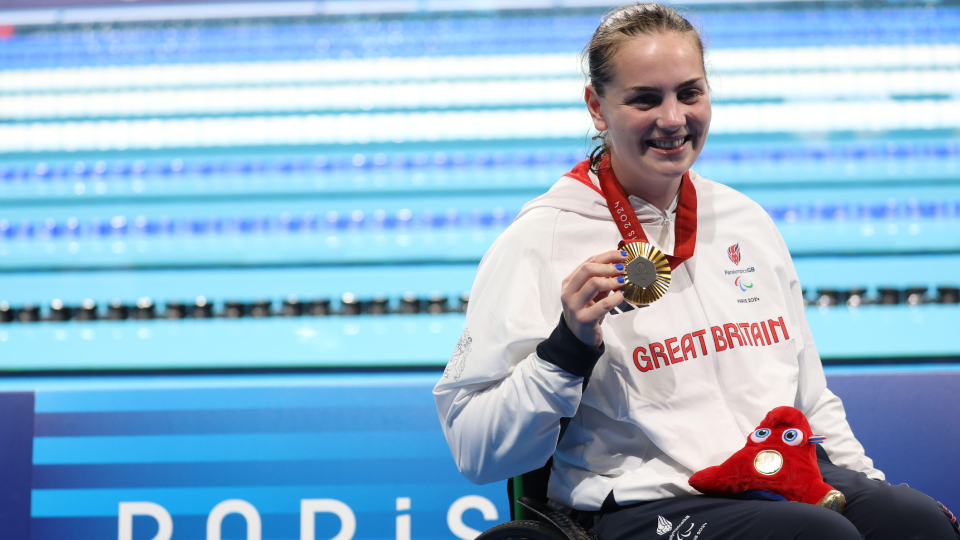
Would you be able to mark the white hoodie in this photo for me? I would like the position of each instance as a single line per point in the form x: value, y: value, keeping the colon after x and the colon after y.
x: 733, y: 322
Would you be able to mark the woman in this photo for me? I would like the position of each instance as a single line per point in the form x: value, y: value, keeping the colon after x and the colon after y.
x: 675, y: 386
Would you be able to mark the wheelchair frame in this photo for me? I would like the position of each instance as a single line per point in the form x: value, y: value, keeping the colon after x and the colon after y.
x: 530, y: 516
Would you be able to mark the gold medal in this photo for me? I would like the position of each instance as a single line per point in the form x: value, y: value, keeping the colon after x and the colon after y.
x: 646, y: 274
x: 647, y: 271
x: 768, y: 462
x: 834, y: 500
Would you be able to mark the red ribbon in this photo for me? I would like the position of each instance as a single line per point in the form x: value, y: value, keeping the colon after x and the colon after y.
x: 685, y: 229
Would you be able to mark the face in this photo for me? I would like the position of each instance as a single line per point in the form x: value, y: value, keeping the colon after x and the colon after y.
x: 656, y: 109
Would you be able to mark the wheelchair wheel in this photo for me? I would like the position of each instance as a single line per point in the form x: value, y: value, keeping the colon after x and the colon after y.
x: 522, y: 530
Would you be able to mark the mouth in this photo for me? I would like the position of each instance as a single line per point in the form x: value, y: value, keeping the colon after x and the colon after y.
x: 669, y: 146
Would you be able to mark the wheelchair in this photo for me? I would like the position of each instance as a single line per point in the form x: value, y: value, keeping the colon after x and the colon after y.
x: 531, y: 518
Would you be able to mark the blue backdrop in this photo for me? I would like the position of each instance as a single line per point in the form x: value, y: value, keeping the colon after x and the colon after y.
x: 369, y: 443
x: 75, y: 450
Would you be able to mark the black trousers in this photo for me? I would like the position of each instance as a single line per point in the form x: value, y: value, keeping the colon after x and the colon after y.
x: 875, y: 511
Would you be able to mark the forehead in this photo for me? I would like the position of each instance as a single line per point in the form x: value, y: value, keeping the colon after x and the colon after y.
x: 657, y: 60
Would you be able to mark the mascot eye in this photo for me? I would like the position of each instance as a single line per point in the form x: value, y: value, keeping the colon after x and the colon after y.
x: 759, y: 435
x: 793, y: 437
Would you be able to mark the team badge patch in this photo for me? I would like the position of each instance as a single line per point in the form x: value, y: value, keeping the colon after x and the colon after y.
x: 734, y: 253
x: 458, y: 361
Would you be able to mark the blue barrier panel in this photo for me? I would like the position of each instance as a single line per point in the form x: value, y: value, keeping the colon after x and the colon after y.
x: 16, y: 447
x: 908, y: 420
x: 360, y: 454
x: 370, y: 443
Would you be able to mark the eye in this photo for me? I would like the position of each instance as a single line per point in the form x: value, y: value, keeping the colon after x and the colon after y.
x: 793, y: 437
x: 689, y: 95
x: 645, y: 100
x: 759, y: 435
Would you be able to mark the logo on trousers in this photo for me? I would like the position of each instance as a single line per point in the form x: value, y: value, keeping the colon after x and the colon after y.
x: 663, y: 525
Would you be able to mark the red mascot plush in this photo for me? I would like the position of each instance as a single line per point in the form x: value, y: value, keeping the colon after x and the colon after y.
x: 778, y: 463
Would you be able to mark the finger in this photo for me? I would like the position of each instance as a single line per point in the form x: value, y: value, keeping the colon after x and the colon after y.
x: 576, y: 280
x: 599, y: 297
x: 593, y: 287
x: 612, y: 256
x: 600, y: 309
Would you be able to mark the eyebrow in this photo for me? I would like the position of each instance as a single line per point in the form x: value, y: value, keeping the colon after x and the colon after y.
x: 653, y: 89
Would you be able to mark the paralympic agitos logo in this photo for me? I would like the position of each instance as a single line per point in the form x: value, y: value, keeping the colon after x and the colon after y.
x: 742, y: 283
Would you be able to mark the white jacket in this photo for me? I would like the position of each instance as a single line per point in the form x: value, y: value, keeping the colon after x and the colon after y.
x: 638, y: 430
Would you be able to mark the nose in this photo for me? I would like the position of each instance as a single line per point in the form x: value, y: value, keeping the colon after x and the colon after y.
x: 671, y: 116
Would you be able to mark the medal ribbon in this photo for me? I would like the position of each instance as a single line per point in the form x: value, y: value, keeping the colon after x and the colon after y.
x: 685, y: 228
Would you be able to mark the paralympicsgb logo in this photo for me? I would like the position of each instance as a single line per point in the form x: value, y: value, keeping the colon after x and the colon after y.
x: 734, y: 253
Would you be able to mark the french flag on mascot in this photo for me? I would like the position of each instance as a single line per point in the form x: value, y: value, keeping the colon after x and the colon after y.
x: 734, y: 253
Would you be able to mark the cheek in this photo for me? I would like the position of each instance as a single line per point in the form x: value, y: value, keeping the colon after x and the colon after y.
x: 623, y: 131
x: 705, y: 114
x: 633, y: 125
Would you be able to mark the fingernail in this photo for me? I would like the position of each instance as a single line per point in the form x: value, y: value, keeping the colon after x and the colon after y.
x: 619, y: 266
x: 619, y: 279
x: 624, y: 253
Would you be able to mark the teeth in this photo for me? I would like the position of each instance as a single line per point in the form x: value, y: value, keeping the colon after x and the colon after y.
x: 667, y: 145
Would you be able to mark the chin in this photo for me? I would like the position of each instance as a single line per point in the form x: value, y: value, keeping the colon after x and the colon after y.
x: 668, y: 166
x: 673, y: 170
x: 660, y: 168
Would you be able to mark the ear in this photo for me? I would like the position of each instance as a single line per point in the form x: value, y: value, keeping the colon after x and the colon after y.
x: 592, y: 100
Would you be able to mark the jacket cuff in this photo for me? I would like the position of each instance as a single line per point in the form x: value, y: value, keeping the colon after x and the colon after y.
x: 566, y: 351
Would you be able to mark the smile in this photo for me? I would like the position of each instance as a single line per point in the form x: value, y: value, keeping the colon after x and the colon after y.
x: 668, y: 144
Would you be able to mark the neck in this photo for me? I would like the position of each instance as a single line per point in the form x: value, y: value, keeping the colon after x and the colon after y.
x: 660, y: 193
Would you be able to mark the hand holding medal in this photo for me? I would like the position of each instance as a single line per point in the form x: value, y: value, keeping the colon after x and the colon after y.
x: 647, y: 274
x: 638, y: 271
x: 590, y: 292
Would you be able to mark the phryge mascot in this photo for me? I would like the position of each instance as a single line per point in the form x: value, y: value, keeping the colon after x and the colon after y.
x: 779, y: 462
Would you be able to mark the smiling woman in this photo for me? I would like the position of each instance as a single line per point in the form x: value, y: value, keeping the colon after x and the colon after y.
x: 674, y: 387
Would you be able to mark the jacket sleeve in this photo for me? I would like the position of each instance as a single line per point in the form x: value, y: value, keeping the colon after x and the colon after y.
x: 822, y: 407
x: 500, y: 402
